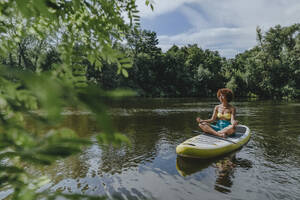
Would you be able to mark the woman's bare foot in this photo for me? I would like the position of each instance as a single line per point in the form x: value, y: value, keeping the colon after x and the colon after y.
x: 221, y: 134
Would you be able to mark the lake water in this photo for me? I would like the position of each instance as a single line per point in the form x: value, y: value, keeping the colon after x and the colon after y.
x: 267, y: 167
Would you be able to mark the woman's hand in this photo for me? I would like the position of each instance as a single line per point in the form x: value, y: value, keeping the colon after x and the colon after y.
x: 199, y: 120
x: 235, y: 122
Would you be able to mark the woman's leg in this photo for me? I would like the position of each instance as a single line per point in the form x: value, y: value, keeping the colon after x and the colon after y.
x: 206, y: 128
x: 227, y: 130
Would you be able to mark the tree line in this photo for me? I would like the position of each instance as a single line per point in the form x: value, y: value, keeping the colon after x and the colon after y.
x: 268, y: 70
x: 271, y: 69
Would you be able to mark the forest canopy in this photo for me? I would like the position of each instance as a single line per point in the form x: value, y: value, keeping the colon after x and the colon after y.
x: 268, y: 70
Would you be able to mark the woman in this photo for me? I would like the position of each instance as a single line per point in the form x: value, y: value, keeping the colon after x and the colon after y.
x: 224, y: 112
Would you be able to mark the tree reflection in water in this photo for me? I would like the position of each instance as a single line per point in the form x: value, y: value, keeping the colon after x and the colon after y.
x: 225, y: 173
x: 224, y: 166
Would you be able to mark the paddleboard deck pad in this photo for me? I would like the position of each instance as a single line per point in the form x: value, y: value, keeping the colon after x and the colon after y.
x: 206, y: 146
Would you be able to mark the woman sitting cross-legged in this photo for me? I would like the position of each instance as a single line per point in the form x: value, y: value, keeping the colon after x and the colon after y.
x: 224, y: 112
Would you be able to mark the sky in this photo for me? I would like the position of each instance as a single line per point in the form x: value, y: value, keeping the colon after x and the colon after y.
x: 226, y: 26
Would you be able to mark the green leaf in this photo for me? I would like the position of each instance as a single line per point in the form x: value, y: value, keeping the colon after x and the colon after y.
x: 127, y: 65
x: 125, y: 73
x: 119, y: 70
x: 23, y: 7
x: 42, y: 8
x: 24, y: 193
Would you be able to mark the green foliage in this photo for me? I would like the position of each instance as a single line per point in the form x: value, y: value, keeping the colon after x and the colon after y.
x: 46, y: 49
x: 180, y: 72
x: 40, y: 98
x: 269, y: 69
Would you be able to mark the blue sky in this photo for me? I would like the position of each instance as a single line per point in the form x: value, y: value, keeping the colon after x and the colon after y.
x: 228, y: 26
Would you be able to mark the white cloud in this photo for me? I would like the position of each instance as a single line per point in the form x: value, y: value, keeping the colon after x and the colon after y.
x: 160, y: 7
x: 224, y: 25
x: 196, y: 18
x: 228, y: 41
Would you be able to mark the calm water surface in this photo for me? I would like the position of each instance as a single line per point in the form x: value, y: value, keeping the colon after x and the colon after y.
x: 268, y: 167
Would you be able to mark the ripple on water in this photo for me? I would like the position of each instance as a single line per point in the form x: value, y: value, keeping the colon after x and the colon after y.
x: 159, y: 111
x: 266, y: 168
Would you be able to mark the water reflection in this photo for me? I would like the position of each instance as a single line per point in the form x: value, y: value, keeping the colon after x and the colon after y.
x: 225, y: 171
x: 224, y: 168
x: 147, y: 170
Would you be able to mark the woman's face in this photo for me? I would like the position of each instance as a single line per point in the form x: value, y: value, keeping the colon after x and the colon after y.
x: 222, y: 98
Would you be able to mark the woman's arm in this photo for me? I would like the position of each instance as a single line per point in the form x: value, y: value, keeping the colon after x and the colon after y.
x: 233, y: 121
x: 212, y: 119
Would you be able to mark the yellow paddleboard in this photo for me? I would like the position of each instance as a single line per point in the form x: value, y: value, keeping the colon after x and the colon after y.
x: 206, y: 146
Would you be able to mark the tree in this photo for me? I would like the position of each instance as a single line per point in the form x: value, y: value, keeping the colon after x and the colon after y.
x: 143, y: 41
x: 270, y: 69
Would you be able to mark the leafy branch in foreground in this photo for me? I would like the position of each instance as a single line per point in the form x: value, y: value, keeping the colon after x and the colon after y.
x: 40, y: 97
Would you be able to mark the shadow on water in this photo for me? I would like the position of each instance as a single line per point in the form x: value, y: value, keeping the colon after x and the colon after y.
x: 225, y: 167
